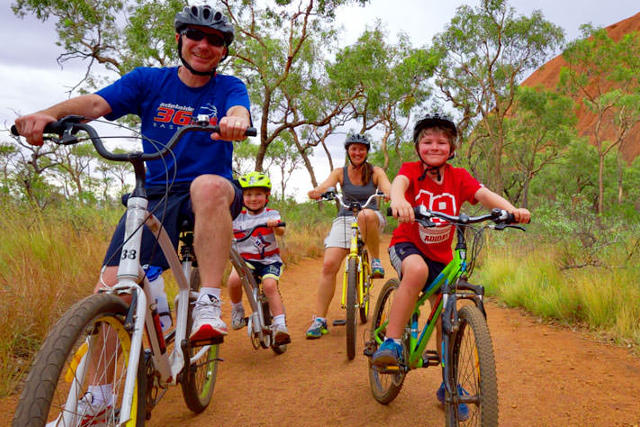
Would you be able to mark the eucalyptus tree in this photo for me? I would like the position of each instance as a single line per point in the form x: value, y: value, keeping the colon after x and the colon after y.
x: 604, y: 75
x: 538, y: 130
x: 391, y: 81
x: 484, y: 53
x: 281, y: 49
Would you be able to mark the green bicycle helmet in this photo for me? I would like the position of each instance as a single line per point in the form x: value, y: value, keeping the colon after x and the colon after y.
x: 255, y: 180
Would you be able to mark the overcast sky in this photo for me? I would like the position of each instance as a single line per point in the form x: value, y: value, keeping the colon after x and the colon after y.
x: 30, y: 78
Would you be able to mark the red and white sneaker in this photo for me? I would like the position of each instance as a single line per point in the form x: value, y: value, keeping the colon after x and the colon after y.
x: 207, y: 323
x: 89, y: 412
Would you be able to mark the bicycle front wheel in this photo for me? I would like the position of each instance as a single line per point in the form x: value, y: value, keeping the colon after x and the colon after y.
x: 473, y: 371
x: 366, y: 286
x: 352, y: 301
x: 199, y: 378
x: 88, y: 346
x: 385, y: 386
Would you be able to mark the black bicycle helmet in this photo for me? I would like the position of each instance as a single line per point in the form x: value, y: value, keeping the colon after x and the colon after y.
x: 357, y: 139
x: 204, y: 16
x: 431, y: 120
x: 434, y: 120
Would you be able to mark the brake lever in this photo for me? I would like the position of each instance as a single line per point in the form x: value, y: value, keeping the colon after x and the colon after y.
x: 425, y: 222
x: 503, y: 226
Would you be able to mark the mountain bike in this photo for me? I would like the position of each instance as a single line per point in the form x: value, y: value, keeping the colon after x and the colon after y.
x: 103, y: 340
x: 356, y: 281
x: 466, y: 355
x: 259, y: 321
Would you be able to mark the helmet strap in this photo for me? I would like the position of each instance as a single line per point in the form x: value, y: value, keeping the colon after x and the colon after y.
x: 211, y: 73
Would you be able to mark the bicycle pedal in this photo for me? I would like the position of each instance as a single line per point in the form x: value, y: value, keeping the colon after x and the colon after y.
x: 389, y: 369
x: 430, y: 358
x: 339, y: 322
x: 210, y: 341
x: 370, y: 348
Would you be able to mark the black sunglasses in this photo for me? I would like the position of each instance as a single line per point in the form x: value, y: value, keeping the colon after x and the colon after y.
x: 197, y: 35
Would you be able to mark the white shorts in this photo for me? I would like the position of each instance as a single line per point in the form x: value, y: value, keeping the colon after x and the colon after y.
x: 340, y: 234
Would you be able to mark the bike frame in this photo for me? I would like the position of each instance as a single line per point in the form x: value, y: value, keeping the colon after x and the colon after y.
x: 355, y: 251
x: 142, y: 316
x: 418, y: 339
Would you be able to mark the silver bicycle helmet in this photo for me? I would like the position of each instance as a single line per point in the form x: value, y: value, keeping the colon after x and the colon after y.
x: 204, y: 16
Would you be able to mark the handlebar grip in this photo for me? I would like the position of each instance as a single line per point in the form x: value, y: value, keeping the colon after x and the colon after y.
x: 511, y: 219
x: 251, y: 132
x: 52, y: 127
x: 389, y: 211
x: 282, y: 224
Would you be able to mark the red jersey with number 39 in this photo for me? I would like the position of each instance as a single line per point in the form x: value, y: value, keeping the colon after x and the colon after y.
x: 457, y: 187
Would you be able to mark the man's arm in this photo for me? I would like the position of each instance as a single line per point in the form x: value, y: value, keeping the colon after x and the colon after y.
x: 31, y: 126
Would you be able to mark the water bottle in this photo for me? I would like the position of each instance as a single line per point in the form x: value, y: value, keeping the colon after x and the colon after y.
x: 156, y: 282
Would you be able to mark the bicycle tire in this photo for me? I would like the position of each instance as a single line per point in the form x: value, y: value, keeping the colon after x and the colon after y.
x: 199, y: 379
x: 473, y: 368
x: 57, y: 364
x: 384, y: 386
x: 352, y: 300
x: 366, y: 287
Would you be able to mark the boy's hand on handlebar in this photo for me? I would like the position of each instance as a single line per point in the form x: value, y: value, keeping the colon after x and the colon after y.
x: 273, y: 223
x: 402, y: 210
x: 522, y: 215
x: 232, y: 128
x: 31, y: 127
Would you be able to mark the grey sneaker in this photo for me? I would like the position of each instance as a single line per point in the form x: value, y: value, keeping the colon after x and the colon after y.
x: 207, y: 323
x: 237, y: 318
x: 280, y: 334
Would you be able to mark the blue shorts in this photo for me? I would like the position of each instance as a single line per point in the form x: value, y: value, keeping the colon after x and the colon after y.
x: 172, y: 213
x: 399, y: 251
x: 264, y: 271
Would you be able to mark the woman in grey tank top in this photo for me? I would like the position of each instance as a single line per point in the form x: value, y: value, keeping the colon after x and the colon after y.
x: 358, y: 180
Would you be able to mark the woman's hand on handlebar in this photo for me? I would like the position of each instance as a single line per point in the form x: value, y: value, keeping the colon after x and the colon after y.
x: 402, y: 210
x: 314, y: 194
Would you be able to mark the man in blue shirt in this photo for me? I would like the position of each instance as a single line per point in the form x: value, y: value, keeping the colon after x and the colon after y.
x: 165, y: 99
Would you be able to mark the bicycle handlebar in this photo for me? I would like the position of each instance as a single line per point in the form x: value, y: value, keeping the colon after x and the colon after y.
x: 67, y: 128
x: 353, y: 206
x: 249, y: 232
x: 500, y: 217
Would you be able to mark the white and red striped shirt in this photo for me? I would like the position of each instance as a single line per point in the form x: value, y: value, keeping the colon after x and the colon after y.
x: 262, y: 246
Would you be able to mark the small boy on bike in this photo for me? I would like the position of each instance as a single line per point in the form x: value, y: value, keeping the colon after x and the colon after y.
x: 420, y: 253
x: 260, y: 252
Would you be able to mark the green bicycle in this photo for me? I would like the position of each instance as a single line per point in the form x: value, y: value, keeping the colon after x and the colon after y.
x: 466, y: 356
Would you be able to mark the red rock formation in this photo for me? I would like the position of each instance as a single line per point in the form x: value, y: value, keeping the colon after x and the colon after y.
x: 548, y: 76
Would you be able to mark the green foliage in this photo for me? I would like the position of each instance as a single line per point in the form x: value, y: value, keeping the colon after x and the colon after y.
x: 485, y: 51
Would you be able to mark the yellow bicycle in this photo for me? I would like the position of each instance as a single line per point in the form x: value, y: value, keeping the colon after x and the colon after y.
x: 356, y: 282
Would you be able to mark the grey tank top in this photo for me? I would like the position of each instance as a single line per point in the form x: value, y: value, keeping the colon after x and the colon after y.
x: 358, y: 193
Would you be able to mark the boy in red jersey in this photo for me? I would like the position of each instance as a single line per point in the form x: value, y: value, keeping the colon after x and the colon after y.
x: 419, y: 253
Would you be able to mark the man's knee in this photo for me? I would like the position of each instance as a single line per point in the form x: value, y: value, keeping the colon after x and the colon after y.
x: 211, y: 190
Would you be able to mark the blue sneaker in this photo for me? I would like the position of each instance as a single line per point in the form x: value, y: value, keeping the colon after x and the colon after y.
x: 463, y: 409
x: 389, y: 354
x: 317, y: 329
x: 377, y: 270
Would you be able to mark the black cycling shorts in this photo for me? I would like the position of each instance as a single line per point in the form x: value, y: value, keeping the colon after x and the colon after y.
x: 172, y: 212
x: 400, y: 251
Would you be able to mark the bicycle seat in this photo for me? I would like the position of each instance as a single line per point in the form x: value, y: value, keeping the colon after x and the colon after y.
x: 186, y: 226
